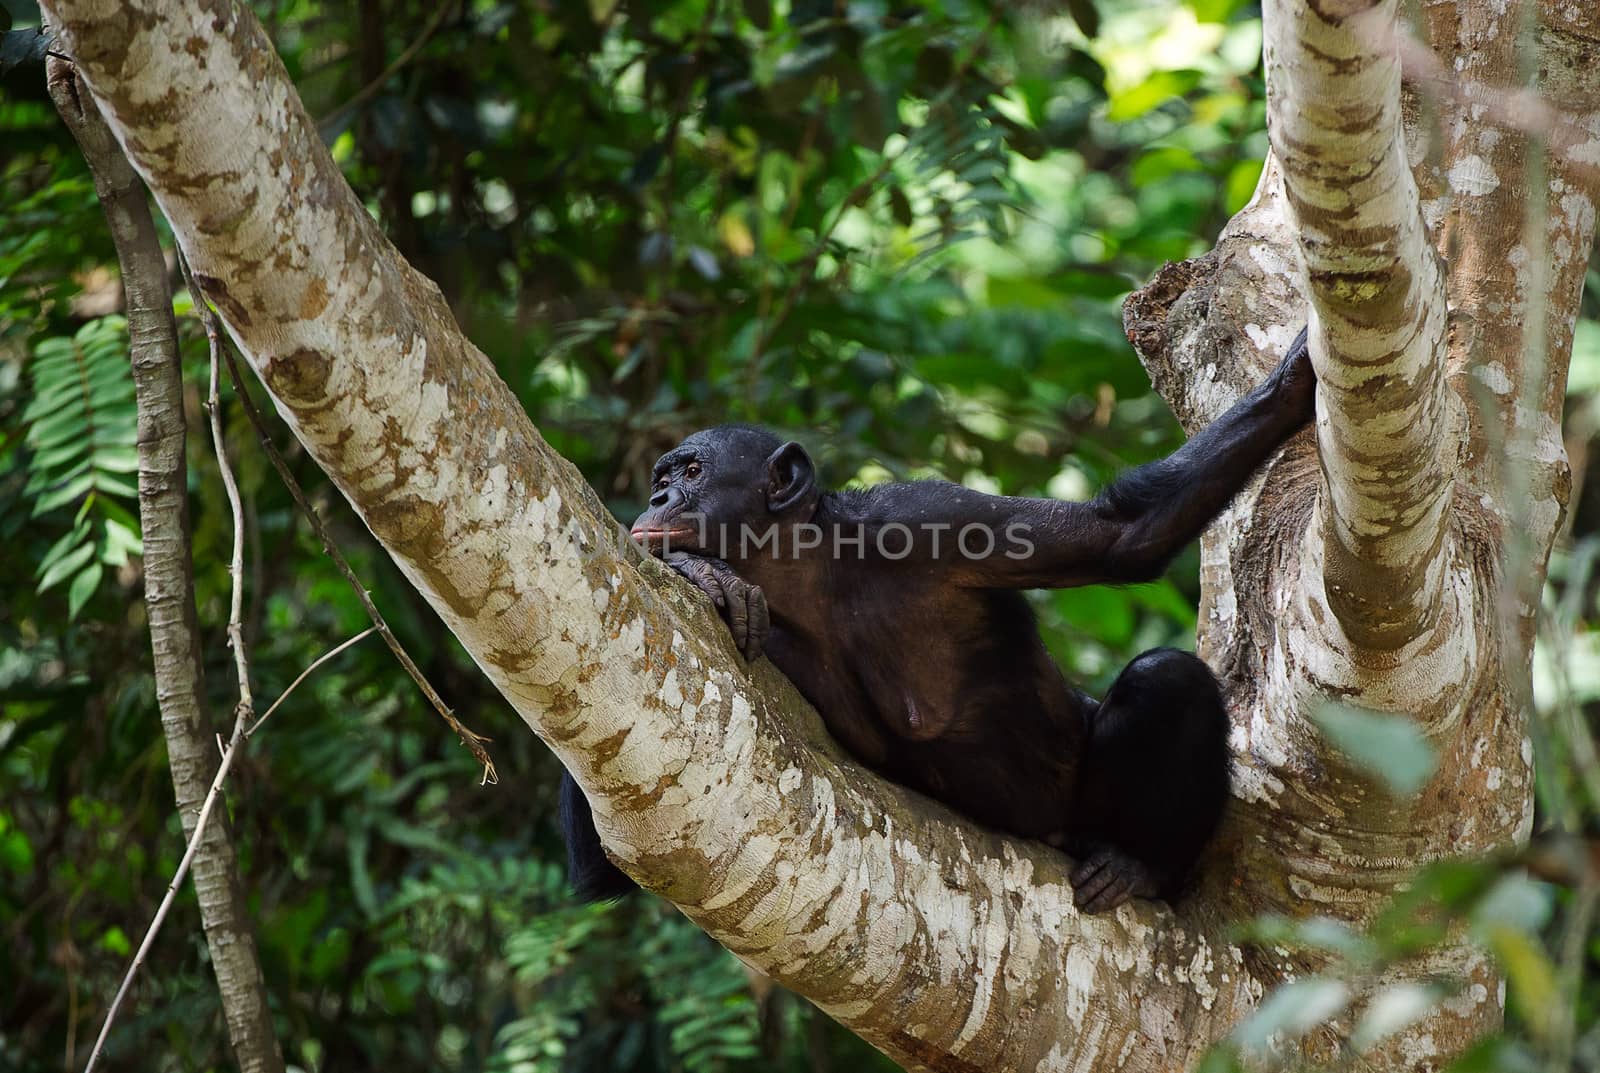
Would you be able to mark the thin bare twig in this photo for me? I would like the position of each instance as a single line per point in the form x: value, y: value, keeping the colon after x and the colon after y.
x: 370, y: 90
x: 212, y: 796
x: 241, y: 658
x: 469, y: 738
x: 319, y: 661
x: 1519, y: 108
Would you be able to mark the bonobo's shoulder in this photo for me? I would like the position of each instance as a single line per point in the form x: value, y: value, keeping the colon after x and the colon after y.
x: 904, y: 501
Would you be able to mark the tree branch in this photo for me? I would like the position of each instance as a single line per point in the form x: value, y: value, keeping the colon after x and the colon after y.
x: 472, y: 740
x: 1377, y: 295
x: 712, y: 784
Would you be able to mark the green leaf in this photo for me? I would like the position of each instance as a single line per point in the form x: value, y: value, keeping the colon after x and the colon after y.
x: 119, y: 459
x: 16, y: 852
x: 1214, y: 10
x: 1241, y: 184
x: 59, y: 457
x: 58, y: 428
x: 69, y: 540
x: 1293, y: 1009
x: 66, y: 566
x: 65, y: 396
x: 115, y: 941
x: 1158, y: 89
x: 1163, y: 163
x: 83, y: 587
x: 366, y: 896
x: 56, y: 348
x: 115, y: 486
x: 66, y: 493
x: 122, y: 540
x: 1389, y: 746
x: 1533, y: 989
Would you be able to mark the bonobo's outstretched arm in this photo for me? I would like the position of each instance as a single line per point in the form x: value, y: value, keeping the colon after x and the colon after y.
x: 1136, y: 525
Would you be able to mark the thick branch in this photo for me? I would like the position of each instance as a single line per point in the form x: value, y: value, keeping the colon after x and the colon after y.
x: 1377, y: 296
x: 945, y: 945
x: 168, y: 573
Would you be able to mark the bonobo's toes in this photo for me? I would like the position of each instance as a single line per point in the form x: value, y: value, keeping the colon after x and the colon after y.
x: 1108, y: 877
x: 700, y: 572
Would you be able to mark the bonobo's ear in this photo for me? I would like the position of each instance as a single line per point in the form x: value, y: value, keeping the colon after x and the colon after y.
x: 791, y: 478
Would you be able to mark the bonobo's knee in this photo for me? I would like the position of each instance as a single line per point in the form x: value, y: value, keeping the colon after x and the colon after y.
x: 1164, y: 716
x: 592, y: 875
x: 1166, y: 678
x: 1157, y: 773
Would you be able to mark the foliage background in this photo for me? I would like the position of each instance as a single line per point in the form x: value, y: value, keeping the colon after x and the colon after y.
x: 900, y: 233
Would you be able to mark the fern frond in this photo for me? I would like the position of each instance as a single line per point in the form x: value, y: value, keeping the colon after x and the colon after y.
x: 82, y: 424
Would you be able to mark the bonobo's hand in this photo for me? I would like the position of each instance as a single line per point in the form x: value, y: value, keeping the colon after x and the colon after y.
x: 742, y: 604
x: 1294, y: 381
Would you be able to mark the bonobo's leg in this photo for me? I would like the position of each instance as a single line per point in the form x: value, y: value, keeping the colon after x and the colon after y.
x: 589, y: 870
x: 1155, y: 780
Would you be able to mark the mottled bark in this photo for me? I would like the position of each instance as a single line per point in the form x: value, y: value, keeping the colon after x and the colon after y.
x: 949, y: 947
x: 1512, y: 237
x: 169, y: 575
x: 1377, y: 298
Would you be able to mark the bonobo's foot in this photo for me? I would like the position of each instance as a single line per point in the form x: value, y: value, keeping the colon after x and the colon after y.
x: 742, y: 605
x: 1104, y: 878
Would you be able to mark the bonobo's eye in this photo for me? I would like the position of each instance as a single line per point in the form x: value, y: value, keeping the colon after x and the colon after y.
x: 661, y: 482
x: 692, y: 470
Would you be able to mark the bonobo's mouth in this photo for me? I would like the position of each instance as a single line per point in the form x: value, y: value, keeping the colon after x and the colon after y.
x: 659, y: 539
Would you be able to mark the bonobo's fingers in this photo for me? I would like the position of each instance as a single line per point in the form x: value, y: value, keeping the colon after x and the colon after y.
x: 699, y: 570
x: 746, y: 611
x: 743, y: 606
x: 1294, y: 380
x: 759, y: 623
x: 737, y: 611
x: 1107, y: 878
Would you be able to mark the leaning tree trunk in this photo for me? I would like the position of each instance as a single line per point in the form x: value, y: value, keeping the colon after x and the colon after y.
x: 1365, y: 563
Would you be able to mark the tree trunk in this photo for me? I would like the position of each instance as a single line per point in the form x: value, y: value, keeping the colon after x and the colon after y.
x: 1368, y: 562
x: 169, y: 575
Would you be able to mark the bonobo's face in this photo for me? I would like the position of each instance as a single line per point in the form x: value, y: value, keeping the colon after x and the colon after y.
x: 718, y: 482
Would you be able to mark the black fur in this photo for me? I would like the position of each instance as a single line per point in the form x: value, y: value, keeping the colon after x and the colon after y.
x: 928, y: 666
x: 592, y: 875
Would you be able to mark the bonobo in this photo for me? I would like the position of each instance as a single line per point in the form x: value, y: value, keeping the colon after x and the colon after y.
x: 896, y: 612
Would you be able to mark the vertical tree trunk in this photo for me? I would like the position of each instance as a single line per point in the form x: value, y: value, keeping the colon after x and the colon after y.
x: 169, y: 574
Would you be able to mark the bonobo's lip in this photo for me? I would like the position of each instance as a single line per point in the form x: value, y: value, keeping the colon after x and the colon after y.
x: 654, y: 536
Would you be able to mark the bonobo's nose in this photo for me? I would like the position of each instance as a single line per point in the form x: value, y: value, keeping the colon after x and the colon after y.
x: 664, y: 499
